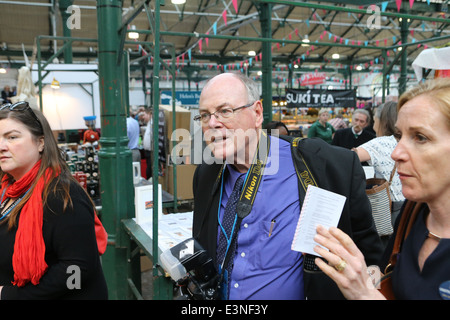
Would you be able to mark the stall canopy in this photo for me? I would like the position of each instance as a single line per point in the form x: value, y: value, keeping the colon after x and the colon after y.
x: 435, y: 59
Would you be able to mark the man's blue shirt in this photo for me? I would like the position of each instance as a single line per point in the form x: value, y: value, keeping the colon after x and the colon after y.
x: 265, y: 267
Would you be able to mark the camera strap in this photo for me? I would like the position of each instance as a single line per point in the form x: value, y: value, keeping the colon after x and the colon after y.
x: 304, y: 175
x: 305, y: 178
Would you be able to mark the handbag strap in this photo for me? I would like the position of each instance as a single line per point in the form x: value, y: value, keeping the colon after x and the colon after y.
x: 406, y: 222
x: 393, y: 173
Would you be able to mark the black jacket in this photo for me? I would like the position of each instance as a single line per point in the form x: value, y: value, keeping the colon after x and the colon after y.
x: 334, y: 169
x: 346, y: 139
x: 70, y: 250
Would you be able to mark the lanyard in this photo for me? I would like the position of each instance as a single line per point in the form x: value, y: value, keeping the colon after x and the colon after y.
x: 14, y: 204
x: 230, y: 237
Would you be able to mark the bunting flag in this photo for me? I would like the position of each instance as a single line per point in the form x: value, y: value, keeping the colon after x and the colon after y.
x: 235, y: 5
x: 224, y: 16
x: 215, y: 28
x: 384, y: 6
x: 200, y: 45
x: 189, y: 54
x: 207, y: 39
x: 399, y: 4
x: 411, y: 2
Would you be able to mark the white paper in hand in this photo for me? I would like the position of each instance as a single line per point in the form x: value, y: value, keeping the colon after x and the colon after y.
x: 320, y: 207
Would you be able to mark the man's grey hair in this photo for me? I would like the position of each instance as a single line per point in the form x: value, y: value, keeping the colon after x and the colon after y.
x: 251, y: 86
x: 364, y: 112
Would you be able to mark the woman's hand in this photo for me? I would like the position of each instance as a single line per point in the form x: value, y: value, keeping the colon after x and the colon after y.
x: 346, y: 265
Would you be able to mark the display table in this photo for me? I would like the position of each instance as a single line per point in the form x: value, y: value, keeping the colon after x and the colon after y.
x: 172, y: 229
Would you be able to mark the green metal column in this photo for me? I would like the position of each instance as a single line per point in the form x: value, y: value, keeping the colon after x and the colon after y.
x: 116, y: 182
x: 404, y: 55
x: 385, y: 74
x: 162, y: 288
x: 265, y: 12
x: 63, y: 5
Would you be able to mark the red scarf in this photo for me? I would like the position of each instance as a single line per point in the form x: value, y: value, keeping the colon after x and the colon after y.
x: 29, y: 247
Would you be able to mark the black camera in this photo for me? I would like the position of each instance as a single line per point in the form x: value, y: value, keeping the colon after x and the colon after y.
x: 190, y: 266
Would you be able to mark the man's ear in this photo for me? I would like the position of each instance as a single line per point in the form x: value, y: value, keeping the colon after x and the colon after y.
x: 259, y: 113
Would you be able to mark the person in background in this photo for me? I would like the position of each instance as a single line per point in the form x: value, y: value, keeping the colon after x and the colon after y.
x: 133, y: 138
x: 354, y: 136
x: 338, y: 122
x: 369, y: 126
x: 277, y: 125
x: 262, y: 264
x: 321, y: 128
x: 7, y: 94
x: 48, y: 226
x: 146, y: 118
x: 421, y: 154
x: 377, y: 152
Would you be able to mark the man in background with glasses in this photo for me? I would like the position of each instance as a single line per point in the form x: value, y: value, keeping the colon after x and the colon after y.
x: 261, y: 263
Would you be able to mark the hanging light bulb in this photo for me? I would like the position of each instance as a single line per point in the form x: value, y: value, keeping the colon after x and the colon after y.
x: 305, y: 39
x: 178, y: 1
x: 55, y: 84
x: 335, y: 56
x: 133, y: 35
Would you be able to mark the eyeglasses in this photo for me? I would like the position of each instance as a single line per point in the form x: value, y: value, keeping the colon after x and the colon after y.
x: 21, y: 106
x: 222, y: 115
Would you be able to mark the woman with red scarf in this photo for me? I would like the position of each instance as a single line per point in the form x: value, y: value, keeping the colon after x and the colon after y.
x: 51, y: 238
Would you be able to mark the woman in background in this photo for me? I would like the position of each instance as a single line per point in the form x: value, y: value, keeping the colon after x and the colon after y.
x: 377, y: 152
x: 321, y: 128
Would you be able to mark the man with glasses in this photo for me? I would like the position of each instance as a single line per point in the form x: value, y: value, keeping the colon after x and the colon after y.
x: 252, y: 252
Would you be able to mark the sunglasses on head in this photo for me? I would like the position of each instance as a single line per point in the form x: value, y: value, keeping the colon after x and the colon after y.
x: 21, y: 106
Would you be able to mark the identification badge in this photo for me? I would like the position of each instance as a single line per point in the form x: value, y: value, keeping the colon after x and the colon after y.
x: 444, y: 290
x: 223, y: 289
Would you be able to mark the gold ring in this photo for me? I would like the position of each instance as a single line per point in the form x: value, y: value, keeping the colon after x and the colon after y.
x: 341, y: 265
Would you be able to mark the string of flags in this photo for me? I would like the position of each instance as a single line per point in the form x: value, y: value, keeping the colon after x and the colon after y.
x: 187, y: 55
